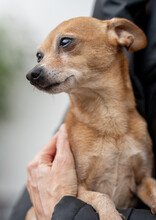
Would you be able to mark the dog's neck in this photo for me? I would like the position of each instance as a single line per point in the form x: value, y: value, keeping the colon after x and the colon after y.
x: 107, y: 107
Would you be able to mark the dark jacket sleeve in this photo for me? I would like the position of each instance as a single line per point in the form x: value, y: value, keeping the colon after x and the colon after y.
x: 21, y: 207
x: 71, y: 208
x: 133, y: 10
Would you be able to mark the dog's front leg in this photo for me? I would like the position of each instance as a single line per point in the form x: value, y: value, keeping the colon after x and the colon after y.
x: 146, y: 191
x: 101, y: 203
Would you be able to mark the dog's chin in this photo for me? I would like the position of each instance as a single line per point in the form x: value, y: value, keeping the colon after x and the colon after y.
x: 57, y: 87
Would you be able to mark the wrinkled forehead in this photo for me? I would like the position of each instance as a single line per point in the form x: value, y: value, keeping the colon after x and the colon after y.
x: 82, y: 27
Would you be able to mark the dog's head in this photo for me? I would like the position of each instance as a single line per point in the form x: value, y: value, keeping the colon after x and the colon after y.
x: 77, y: 52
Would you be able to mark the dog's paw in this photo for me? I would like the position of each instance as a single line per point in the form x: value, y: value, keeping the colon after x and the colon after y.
x: 112, y: 216
x: 153, y: 210
x: 123, y: 217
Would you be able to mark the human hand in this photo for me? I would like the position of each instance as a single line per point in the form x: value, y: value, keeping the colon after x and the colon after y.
x: 51, y: 175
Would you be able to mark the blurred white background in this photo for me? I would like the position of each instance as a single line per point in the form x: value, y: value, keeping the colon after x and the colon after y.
x: 33, y: 116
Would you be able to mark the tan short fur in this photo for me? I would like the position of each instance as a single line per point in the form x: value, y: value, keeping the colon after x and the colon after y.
x: 108, y: 137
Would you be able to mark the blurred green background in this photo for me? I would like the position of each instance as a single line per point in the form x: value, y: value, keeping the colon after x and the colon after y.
x: 12, y: 60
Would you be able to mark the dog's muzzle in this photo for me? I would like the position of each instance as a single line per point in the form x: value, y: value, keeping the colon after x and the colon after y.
x: 36, y: 76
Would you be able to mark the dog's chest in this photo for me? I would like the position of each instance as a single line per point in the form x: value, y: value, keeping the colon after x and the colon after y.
x: 107, y: 166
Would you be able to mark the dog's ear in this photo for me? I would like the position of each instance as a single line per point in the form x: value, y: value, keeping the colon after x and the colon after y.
x: 122, y: 32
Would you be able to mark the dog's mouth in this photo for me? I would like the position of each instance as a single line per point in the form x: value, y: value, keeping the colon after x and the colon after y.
x: 47, y: 88
x: 52, y: 86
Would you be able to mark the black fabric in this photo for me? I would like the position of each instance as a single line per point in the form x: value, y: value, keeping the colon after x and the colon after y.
x: 71, y: 208
x: 133, y: 10
x: 142, y: 63
x: 140, y: 214
x: 21, y: 207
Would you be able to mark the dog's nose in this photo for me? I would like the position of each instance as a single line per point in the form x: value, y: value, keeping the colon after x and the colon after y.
x: 34, y: 74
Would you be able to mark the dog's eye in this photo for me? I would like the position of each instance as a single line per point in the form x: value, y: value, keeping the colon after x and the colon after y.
x: 39, y: 57
x: 65, y: 41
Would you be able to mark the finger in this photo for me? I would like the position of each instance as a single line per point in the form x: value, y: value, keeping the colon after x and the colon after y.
x: 62, y: 145
x: 47, y: 154
x: 50, y: 147
x: 63, y: 151
x: 36, y: 201
x: 32, y: 187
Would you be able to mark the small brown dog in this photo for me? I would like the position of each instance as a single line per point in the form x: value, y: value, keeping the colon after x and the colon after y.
x: 109, y: 140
